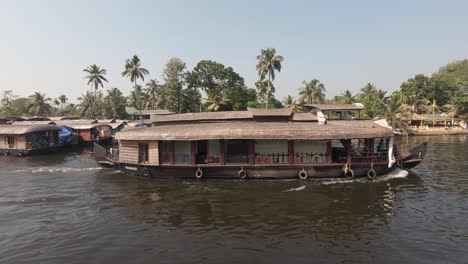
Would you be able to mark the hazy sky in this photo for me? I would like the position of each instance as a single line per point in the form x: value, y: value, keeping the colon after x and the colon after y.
x: 44, y: 45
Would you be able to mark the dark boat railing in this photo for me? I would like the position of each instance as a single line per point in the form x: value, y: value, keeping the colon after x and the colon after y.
x: 369, y: 159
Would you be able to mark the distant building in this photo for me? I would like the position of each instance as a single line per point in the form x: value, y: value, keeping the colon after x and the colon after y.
x: 134, y: 114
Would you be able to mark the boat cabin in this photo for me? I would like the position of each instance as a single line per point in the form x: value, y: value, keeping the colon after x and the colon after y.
x: 25, y: 138
x: 263, y: 142
x: 253, y: 143
x: 87, y: 131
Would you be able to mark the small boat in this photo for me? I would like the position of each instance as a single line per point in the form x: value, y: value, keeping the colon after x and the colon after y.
x: 259, y: 144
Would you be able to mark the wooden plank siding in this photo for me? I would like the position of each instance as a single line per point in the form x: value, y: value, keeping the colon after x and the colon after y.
x: 153, y: 153
x: 19, y: 142
x: 128, y: 152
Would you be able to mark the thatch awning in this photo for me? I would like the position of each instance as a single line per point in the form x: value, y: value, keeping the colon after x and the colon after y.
x: 24, y: 129
x: 264, y: 130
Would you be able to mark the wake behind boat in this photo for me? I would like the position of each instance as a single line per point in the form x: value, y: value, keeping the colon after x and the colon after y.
x: 261, y: 144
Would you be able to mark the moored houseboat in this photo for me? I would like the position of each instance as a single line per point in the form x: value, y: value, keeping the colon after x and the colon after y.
x: 28, y: 139
x: 87, y: 131
x: 257, y: 143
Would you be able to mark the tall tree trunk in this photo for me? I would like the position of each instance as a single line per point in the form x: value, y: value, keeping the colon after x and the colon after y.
x: 268, y: 92
x: 138, y: 103
x: 94, y: 104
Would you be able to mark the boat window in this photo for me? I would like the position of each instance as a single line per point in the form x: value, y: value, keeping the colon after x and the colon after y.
x: 310, y: 151
x: 201, y: 152
x: 143, y: 151
x: 165, y: 151
x: 182, y: 152
x: 213, y: 151
x: 271, y: 151
x: 237, y: 151
x: 10, y: 141
x: 339, y: 153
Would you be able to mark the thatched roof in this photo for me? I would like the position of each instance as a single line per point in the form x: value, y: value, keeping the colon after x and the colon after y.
x: 303, y: 117
x: 270, y: 112
x: 24, y: 129
x: 57, y: 118
x: 81, y: 124
x: 251, y: 114
x: 202, y: 116
x: 22, y: 123
x: 134, y: 111
x: 335, y: 107
x: 114, y: 124
x: 265, y: 130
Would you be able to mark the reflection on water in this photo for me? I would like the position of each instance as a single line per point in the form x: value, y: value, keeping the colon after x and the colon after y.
x: 64, y: 208
x: 263, y: 209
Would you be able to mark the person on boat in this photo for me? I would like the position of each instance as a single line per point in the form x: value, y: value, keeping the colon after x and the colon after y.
x: 381, y: 147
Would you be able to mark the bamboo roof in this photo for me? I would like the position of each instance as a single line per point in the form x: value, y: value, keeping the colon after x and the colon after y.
x: 134, y: 111
x: 336, y: 107
x: 114, y: 124
x: 21, y: 123
x: 270, y: 112
x: 24, y: 129
x: 81, y: 124
x: 251, y: 114
x: 265, y: 130
x: 302, y: 117
x: 57, y: 118
x: 202, y: 116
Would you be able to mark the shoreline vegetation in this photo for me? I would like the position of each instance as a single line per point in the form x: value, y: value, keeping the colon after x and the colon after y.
x: 212, y: 86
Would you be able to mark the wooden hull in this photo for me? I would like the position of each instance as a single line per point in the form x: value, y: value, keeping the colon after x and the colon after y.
x: 236, y: 171
x: 26, y: 152
x: 252, y: 172
x: 414, y: 157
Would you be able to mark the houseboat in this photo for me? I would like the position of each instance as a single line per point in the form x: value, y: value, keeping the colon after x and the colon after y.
x: 258, y: 143
x: 64, y: 134
x: 87, y: 131
x: 28, y: 139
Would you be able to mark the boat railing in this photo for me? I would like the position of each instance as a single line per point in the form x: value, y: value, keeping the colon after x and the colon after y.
x: 379, y: 158
x: 310, y: 158
x: 271, y: 158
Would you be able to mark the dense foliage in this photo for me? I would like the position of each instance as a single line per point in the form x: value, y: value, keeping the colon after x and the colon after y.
x: 212, y: 86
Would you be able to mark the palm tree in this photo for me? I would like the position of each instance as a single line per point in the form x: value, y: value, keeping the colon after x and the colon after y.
x: 347, y: 97
x: 216, y: 103
x: 262, y: 88
x: 137, y: 100
x: 394, y: 111
x: 268, y: 63
x: 95, y: 79
x: 39, y: 105
x: 290, y: 102
x: 152, y: 93
x: 134, y: 71
x: 414, y: 105
x: 369, y: 90
x: 63, y: 99
x: 86, y: 104
x: 312, y: 92
x: 453, y: 106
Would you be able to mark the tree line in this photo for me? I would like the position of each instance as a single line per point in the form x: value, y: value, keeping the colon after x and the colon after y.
x: 212, y: 86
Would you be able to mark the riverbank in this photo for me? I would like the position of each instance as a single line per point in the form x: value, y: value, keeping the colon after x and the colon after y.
x: 437, y: 131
